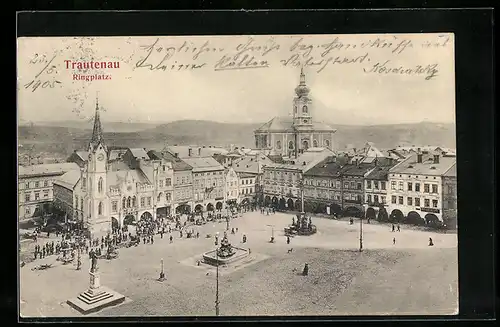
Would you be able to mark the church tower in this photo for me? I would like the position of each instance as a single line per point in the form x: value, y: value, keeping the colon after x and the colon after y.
x: 98, y: 202
x: 302, y: 104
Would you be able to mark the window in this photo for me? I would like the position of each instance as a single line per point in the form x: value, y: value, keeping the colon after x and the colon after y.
x: 353, y: 185
x: 400, y: 200
x: 400, y: 184
x: 315, y: 143
x: 368, y: 184
x: 426, y: 203
x: 360, y: 186
x: 149, y: 201
x: 382, y: 184
x: 393, y: 199
x: 304, y: 109
x: 143, y: 202
x: 99, y: 208
x: 346, y: 185
x: 369, y: 198
x: 375, y: 198
x: 434, y: 188
x: 134, y: 202
x: 417, y: 187
x: 99, y: 185
x: 168, y: 196
x: 27, y: 197
x: 327, y: 143
x: 409, y: 201
x: 382, y: 199
x: 81, y: 204
x: 434, y: 203
x: 375, y: 185
x: 84, y: 182
x: 410, y: 186
x: 129, y: 202
x: 278, y: 144
x: 393, y: 185
x: 124, y: 203
x: 37, y: 196
x: 114, y: 206
x: 37, y: 184
x: 183, y: 180
x: 45, y: 183
x: 27, y: 211
x: 168, y: 182
x: 426, y: 188
x: 27, y: 184
x: 46, y: 195
x: 158, y: 198
x: 160, y: 182
x: 417, y: 202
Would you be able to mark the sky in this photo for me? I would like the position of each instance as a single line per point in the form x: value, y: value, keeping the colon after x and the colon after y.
x: 356, y: 79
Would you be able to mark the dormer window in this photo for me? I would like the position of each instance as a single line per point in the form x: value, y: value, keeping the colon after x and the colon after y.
x: 304, y: 109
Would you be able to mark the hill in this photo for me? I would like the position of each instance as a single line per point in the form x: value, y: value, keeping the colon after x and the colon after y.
x: 64, y: 140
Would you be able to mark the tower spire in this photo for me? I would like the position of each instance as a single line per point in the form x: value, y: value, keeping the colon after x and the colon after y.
x: 97, y: 134
x: 302, y: 76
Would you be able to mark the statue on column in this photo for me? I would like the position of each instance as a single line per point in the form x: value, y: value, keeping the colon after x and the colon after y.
x: 93, y: 268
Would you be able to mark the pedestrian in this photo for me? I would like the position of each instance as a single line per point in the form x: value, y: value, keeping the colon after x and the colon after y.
x: 305, y: 271
x: 171, y: 239
x: 394, y: 241
x: 35, y: 253
x: 393, y: 227
x: 244, y: 238
x: 197, y: 234
x: 288, y: 240
x: 152, y: 239
x: 161, y: 234
x: 430, y: 242
x: 399, y: 228
x: 43, y: 252
x: 181, y: 233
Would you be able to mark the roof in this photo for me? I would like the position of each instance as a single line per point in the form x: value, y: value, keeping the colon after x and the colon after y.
x: 379, y: 173
x: 306, y: 160
x: 115, y: 154
x: 203, y: 164
x: 329, y: 167
x: 177, y: 163
x: 47, y: 169
x: 285, y: 124
x: 251, y: 164
x: 196, y: 151
x: 68, y: 179
x: 139, y: 153
x: 115, y: 178
x: 426, y: 167
x: 356, y: 170
x: 83, y: 155
x: 245, y: 175
x: 118, y: 165
x: 452, y: 172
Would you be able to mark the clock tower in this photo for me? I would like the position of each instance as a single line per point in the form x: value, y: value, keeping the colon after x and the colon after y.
x: 98, y: 219
x: 302, y: 104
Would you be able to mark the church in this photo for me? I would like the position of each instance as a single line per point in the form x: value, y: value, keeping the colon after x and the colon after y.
x: 291, y: 136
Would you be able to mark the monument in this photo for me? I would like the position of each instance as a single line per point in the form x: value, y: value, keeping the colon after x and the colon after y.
x: 303, y: 226
x: 96, y: 297
x: 225, y: 254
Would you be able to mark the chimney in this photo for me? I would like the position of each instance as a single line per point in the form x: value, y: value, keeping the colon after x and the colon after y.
x: 419, y: 157
x: 304, y: 163
x: 436, y: 158
x: 199, y: 152
x: 190, y: 151
x: 176, y: 155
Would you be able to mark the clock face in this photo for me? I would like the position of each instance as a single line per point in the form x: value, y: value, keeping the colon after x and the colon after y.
x: 100, y: 157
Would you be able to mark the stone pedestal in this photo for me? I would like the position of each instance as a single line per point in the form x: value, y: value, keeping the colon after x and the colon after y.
x: 96, y: 297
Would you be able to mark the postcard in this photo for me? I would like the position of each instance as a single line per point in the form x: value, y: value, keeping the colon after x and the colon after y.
x: 237, y: 175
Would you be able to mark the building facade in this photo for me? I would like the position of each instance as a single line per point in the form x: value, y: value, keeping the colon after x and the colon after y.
x: 450, y: 197
x: 35, y: 187
x: 283, y: 183
x: 376, y: 191
x: 247, y: 188
x: 208, y: 184
x: 292, y: 136
x: 416, y: 188
x: 232, y: 186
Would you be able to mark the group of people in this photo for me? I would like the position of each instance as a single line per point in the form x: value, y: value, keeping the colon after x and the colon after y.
x: 267, y: 210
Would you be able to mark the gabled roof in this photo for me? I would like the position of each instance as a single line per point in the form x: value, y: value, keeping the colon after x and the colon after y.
x: 329, y: 167
x: 356, y: 170
x: 305, y: 161
x: 68, y: 179
x: 251, y: 164
x: 47, y: 169
x: 83, y: 155
x: 115, y: 178
x: 183, y: 151
x: 379, y: 173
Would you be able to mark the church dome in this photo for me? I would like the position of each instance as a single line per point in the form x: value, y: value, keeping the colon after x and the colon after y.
x: 302, y: 89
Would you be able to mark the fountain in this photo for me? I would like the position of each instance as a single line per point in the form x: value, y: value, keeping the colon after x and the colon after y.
x: 303, y: 226
x: 224, y: 254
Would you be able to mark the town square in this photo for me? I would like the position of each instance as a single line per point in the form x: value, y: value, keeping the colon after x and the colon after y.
x: 220, y: 205
x: 341, y: 279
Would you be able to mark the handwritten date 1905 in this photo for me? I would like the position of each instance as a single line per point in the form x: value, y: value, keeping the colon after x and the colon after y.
x: 47, y: 80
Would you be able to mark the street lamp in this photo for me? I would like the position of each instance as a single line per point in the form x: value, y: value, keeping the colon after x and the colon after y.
x: 361, y: 234
x: 301, y: 186
x: 217, y: 284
